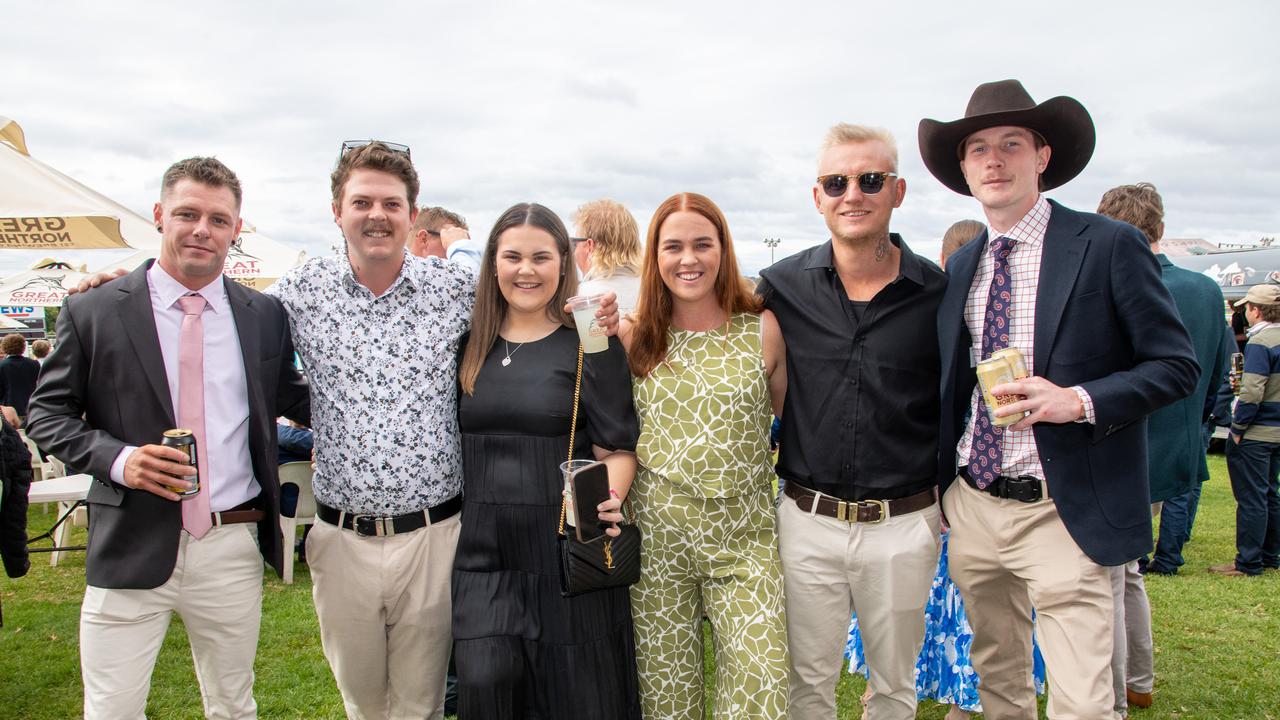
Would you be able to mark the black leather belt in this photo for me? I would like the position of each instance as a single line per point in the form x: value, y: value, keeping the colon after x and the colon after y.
x: 375, y: 526
x: 1023, y: 488
x: 862, y: 511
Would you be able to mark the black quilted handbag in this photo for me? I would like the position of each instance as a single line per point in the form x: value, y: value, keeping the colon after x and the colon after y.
x: 606, y: 563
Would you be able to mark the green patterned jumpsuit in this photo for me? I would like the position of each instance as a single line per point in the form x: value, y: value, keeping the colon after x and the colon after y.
x: 704, y: 501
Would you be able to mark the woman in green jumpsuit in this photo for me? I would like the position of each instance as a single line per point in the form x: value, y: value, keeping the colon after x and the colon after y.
x: 709, y: 366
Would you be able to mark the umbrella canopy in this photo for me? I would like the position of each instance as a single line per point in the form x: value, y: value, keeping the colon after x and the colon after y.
x: 39, y: 287
x: 255, y: 260
x: 40, y: 208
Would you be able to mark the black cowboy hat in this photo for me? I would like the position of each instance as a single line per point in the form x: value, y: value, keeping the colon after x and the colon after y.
x: 1062, y: 121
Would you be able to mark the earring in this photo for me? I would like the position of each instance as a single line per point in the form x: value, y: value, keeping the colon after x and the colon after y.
x: 159, y: 228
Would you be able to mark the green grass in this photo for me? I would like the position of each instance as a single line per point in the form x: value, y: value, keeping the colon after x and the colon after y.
x: 1217, y: 640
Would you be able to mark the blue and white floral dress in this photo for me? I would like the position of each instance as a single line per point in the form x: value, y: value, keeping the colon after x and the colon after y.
x: 943, y: 671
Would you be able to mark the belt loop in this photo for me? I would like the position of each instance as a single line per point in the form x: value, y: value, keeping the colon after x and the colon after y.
x: 342, y: 516
x: 426, y: 516
x: 813, y: 504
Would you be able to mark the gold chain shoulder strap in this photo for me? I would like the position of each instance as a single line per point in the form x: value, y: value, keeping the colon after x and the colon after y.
x: 573, y: 428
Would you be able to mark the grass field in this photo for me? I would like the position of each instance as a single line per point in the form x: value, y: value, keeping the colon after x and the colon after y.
x: 1217, y: 640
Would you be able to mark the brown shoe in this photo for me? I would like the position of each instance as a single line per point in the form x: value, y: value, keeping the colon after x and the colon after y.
x: 1137, y: 699
x: 1227, y: 569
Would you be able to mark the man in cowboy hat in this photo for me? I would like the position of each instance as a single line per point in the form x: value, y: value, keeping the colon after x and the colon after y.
x: 1041, y: 506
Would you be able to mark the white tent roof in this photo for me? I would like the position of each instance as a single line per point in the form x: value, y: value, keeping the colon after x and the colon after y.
x: 257, y: 262
x: 41, y: 208
x: 41, y: 287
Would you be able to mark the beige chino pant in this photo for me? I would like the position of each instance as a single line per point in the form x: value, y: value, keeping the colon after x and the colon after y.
x: 1006, y: 557
x: 216, y: 588
x: 831, y: 569
x: 385, y: 616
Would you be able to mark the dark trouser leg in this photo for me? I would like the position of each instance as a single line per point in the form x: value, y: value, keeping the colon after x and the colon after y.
x: 1173, y: 534
x: 1271, y: 536
x: 1249, y: 464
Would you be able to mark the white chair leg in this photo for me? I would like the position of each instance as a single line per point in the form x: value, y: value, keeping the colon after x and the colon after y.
x: 289, y: 528
x: 60, y: 535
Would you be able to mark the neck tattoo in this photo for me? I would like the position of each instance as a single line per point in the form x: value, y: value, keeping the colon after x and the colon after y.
x: 882, y: 249
x: 507, y: 360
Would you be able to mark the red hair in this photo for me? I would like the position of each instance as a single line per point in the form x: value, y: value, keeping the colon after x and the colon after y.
x: 653, y: 312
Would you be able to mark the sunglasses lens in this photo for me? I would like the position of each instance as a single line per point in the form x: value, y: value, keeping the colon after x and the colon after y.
x: 835, y: 185
x: 871, y: 183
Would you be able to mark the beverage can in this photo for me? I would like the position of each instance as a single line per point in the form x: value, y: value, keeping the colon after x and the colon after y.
x: 184, y: 440
x: 992, y: 372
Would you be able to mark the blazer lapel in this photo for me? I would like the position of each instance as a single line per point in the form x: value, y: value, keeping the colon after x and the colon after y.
x: 247, y: 328
x: 1060, y: 263
x: 139, y: 321
x: 961, y: 267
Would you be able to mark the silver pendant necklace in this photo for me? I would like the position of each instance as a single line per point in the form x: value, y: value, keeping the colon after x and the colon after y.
x: 507, y: 360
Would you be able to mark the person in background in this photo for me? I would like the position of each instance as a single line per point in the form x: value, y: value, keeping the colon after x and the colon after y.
x: 18, y: 374
x: 40, y: 350
x: 607, y: 251
x: 427, y: 238
x: 1253, y: 450
x: 709, y: 370
x: 956, y: 236
x: 1175, y: 454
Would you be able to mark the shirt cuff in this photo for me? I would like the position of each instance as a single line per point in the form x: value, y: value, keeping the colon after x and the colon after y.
x: 1089, y: 415
x: 465, y: 252
x: 117, y: 467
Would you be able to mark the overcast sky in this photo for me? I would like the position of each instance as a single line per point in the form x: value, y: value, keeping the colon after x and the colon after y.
x: 564, y: 102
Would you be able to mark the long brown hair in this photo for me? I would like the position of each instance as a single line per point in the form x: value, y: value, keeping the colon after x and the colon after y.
x: 491, y: 308
x: 653, y: 312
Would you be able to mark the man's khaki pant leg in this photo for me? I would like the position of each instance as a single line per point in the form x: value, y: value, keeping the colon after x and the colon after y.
x: 1004, y: 553
x: 216, y: 587
x: 384, y: 611
x: 830, y: 566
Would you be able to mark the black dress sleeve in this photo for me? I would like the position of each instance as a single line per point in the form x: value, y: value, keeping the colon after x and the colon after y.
x: 607, y: 408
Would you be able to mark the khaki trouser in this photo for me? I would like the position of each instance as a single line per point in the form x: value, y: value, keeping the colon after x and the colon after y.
x: 1006, y: 557
x: 216, y: 588
x: 384, y: 610
x: 1133, y: 662
x: 831, y: 569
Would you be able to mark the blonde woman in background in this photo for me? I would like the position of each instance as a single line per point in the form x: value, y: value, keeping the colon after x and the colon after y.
x: 607, y: 251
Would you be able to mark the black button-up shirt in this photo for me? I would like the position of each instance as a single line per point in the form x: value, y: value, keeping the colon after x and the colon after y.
x: 861, y: 416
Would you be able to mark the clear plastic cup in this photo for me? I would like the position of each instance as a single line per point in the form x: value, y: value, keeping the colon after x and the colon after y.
x: 590, y: 332
x: 566, y: 469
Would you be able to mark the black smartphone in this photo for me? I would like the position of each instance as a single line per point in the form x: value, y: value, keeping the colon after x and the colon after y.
x: 590, y: 487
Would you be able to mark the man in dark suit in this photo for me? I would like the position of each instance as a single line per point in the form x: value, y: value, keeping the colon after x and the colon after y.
x: 174, y: 345
x: 18, y: 374
x: 1039, y: 508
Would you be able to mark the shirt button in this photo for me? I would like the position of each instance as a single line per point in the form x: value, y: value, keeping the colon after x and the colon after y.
x: 846, y: 467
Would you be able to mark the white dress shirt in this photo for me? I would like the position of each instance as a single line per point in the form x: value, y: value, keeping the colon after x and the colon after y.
x: 230, y: 476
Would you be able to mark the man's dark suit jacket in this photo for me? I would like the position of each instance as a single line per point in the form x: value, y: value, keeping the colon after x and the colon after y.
x: 18, y: 377
x: 104, y: 387
x: 1104, y: 321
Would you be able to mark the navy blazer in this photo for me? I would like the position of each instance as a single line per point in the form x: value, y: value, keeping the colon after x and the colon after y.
x: 1104, y: 321
x: 104, y: 387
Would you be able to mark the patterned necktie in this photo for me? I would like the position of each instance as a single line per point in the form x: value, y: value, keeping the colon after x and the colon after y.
x: 195, y: 510
x: 986, y: 456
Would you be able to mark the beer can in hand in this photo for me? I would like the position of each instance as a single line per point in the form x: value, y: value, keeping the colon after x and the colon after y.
x: 1237, y: 372
x: 1016, y: 364
x: 992, y: 372
x: 185, y: 441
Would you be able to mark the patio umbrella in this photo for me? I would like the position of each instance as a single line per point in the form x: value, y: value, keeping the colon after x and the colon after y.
x: 255, y: 260
x: 41, y: 208
x: 39, y: 287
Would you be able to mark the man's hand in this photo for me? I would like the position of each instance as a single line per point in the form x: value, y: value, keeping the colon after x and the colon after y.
x: 449, y: 234
x: 1236, y: 438
x: 153, y: 467
x: 93, y: 281
x: 10, y: 416
x: 1045, y: 401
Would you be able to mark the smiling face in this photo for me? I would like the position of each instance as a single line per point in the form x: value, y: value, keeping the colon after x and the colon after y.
x: 856, y: 216
x: 689, y: 257
x: 375, y: 216
x: 528, y: 267
x: 1002, y: 167
x: 198, y: 222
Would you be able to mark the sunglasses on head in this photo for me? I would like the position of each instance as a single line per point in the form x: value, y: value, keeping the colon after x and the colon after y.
x: 869, y: 183
x: 576, y: 240
x: 349, y: 145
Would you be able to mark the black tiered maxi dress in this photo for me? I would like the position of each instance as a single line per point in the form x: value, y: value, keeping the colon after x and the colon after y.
x: 522, y: 650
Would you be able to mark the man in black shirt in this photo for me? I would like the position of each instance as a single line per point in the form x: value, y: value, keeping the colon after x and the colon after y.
x: 859, y: 526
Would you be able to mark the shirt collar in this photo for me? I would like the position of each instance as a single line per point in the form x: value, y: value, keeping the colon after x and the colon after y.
x: 407, y: 273
x: 909, y: 265
x: 1258, y: 327
x: 168, y: 290
x: 1030, y: 229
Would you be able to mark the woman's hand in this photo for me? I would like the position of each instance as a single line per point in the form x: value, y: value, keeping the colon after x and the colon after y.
x: 610, y: 511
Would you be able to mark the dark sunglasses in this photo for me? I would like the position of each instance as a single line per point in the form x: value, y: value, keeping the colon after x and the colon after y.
x: 869, y: 183
x: 576, y: 240
x: 349, y: 145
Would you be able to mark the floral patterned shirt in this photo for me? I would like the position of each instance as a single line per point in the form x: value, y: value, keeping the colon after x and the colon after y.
x: 383, y: 374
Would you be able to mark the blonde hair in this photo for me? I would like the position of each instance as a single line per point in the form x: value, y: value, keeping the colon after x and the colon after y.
x: 959, y: 234
x: 844, y: 133
x: 616, y: 236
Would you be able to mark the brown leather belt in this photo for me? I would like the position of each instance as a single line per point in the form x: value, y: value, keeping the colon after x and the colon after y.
x: 861, y: 511
x: 242, y: 513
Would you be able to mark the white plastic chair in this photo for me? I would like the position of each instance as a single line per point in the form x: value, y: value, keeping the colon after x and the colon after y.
x: 298, y: 474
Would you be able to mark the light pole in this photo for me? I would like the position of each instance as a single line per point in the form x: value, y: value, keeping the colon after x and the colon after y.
x: 772, y: 244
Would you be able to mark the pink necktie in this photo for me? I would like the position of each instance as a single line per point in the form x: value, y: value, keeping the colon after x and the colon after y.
x: 195, y: 510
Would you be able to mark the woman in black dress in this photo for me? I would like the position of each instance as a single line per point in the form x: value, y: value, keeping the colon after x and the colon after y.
x: 522, y: 650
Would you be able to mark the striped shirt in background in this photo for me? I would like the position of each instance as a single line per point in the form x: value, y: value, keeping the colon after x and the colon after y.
x: 1257, y: 415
